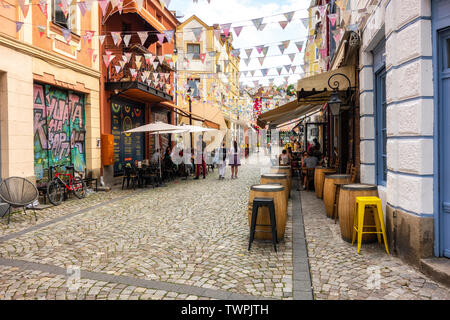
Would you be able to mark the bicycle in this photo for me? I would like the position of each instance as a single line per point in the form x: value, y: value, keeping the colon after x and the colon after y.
x: 55, y: 188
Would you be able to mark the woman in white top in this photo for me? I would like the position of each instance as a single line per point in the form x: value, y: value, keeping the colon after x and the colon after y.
x: 284, y: 158
x: 234, y: 159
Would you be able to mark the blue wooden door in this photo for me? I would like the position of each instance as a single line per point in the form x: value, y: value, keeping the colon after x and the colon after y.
x: 444, y: 111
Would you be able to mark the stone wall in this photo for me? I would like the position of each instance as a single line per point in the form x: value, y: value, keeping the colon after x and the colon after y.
x: 406, y: 28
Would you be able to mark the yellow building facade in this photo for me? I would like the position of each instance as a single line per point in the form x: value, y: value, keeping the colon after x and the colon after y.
x: 208, y: 75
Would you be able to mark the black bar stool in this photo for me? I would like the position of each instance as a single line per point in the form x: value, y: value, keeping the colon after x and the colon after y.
x: 263, y: 202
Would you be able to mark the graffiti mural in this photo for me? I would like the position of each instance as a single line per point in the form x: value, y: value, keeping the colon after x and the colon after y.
x: 59, y: 129
x: 128, y: 147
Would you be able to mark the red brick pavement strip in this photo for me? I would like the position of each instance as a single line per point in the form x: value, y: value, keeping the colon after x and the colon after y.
x: 338, y: 272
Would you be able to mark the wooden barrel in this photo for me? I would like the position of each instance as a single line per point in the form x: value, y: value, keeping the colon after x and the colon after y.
x: 281, y: 178
x: 329, y: 190
x: 275, y: 191
x: 319, y: 179
x: 347, y: 199
x: 283, y: 169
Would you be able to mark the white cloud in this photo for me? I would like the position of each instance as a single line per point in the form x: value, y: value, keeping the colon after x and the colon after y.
x: 240, y: 13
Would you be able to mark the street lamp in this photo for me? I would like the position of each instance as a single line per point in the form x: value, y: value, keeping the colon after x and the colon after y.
x: 334, y: 105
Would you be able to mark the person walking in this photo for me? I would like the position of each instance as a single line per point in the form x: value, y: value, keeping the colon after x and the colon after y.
x: 200, y: 157
x: 235, y: 160
x: 222, y: 161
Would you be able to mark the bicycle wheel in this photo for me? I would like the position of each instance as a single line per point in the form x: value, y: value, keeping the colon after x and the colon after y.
x: 55, y: 192
x: 79, y: 188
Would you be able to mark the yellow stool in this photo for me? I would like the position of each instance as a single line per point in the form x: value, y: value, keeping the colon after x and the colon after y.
x: 358, y: 221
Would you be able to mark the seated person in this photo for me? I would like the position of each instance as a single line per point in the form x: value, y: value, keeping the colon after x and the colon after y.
x: 155, y: 158
x: 309, y: 161
x: 284, y: 159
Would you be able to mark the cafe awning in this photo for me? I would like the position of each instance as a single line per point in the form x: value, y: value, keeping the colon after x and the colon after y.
x: 315, y: 89
x: 135, y: 90
x: 312, y: 93
x: 286, y: 113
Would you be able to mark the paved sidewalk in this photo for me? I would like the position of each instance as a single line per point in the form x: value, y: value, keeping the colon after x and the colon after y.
x: 186, y: 241
x: 338, y: 272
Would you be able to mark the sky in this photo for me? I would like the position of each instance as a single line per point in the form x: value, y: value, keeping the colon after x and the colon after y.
x: 240, y: 13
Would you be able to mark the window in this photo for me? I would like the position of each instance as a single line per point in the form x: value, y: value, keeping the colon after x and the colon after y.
x: 194, y: 49
x: 379, y: 62
x: 66, y: 18
x: 381, y: 105
x: 218, y: 68
x: 59, y: 17
x: 158, y: 50
x: 448, y: 53
x: 194, y: 85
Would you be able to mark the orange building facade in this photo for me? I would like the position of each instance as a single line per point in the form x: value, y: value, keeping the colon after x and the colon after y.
x: 49, y: 88
x: 137, y: 81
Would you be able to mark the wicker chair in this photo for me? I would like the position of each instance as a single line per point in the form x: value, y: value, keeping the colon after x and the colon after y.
x: 18, y: 193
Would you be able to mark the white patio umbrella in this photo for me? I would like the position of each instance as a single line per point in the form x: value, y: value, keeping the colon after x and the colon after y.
x: 158, y: 128
x: 194, y: 129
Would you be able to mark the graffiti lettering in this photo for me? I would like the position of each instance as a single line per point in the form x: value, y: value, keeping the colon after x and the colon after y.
x: 58, y: 128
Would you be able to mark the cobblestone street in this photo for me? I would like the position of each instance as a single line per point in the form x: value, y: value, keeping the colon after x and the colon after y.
x: 185, y: 241
x: 339, y: 273
x: 189, y: 241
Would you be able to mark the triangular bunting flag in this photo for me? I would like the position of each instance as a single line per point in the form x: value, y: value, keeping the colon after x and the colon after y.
x: 83, y: 7
x: 118, y: 68
x: 116, y: 37
x: 66, y: 34
x: 299, y: 45
x: 264, y: 72
x: 332, y: 18
x: 197, y: 33
x: 155, y: 65
x: 265, y: 50
x: 19, y: 25
x: 217, y: 34
x: 261, y: 60
x: 103, y: 6
x: 283, y: 24
x: 160, y: 37
x: 260, y: 49
x: 286, y: 43
x: 41, y: 30
x: 247, y: 61
x: 202, y: 57
x: 160, y: 59
x: 262, y: 26
x: 289, y: 16
x: 305, y: 22
x: 248, y: 52
x: 257, y: 22
x: 102, y: 39
x: 169, y: 34
x: 281, y: 47
x: 43, y: 6
x: 143, y: 35
x: 225, y: 28
x: 126, y: 39
x: 279, y: 70
x: 292, y: 56
x: 237, y: 31
x: 139, y: 4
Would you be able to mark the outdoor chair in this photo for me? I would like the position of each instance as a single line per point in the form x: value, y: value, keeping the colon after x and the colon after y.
x: 129, y: 176
x: 18, y: 193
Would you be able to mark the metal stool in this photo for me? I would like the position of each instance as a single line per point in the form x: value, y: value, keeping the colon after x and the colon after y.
x: 263, y: 202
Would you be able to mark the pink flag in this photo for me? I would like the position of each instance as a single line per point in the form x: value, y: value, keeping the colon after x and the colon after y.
x: 103, y: 6
x: 283, y: 24
x: 237, y: 31
x: 259, y: 48
x: 332, y: 18
x: 225, y: 28
x: 160, y: 37
x: 83, y: 8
